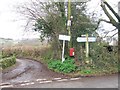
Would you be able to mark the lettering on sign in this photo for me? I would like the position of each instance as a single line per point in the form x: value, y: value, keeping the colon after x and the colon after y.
x: 84, y: 39
x: 64, y: 37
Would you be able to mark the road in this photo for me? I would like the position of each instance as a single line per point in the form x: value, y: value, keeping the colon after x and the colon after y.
x: 27, y: 70
x: 93, y: 82
x: 32, y: 74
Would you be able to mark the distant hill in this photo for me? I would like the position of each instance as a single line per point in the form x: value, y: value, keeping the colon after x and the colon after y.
x: 31, y: 42
x: 6, y: 42
x: 5, y: 39
x: 24, y: 42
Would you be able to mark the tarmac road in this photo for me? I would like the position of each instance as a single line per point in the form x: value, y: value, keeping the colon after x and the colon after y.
x: 93, y: 82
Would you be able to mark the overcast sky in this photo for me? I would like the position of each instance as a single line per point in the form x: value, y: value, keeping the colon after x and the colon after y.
x: 11, y: 26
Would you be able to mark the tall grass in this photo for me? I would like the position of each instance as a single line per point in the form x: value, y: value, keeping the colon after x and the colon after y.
x: 32, y: 52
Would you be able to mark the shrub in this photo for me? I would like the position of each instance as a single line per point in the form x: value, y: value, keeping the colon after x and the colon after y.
x: 66, y: 67
x: 7, y: 62
x: 102, y: 59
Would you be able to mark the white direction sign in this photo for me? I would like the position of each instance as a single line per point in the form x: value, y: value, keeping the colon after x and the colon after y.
x: 64, y: 37
x: 84, y: 39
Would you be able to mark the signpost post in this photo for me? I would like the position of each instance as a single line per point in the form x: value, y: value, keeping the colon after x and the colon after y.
x: 87, y: 46
x: 64, y: 38
x: 63, y: 59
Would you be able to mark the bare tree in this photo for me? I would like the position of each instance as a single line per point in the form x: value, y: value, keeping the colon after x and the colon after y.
x: 115, y: 23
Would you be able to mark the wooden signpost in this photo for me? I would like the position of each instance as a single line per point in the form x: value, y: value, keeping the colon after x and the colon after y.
x: 87, y: 40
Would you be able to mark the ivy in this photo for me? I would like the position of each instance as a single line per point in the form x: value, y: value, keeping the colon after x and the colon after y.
x: 67, y: 66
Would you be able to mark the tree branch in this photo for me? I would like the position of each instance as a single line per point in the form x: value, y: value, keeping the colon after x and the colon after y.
x: 114, y: 34
x: 104, y: 21
x: 113, y: 22
x: 100, y: 21
x: 109, y: 32
x: 117, y: 16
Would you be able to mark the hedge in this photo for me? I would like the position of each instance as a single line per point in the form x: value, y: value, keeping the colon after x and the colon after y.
x: 7, y: 62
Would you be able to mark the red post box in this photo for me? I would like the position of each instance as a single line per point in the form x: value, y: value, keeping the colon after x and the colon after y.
x: 72, y: 52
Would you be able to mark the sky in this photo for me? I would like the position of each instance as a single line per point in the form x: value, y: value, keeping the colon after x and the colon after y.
x: 12, y: 24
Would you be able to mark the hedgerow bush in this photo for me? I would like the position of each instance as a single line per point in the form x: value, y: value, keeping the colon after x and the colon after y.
x: 66, y: 67
x: 101, y: 59
x: 25, y: 51
x: 39, y: 53
x: 7, y: 62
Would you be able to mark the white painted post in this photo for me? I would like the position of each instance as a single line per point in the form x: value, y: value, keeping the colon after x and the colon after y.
x: 87, y: 46
x: 63, y: 59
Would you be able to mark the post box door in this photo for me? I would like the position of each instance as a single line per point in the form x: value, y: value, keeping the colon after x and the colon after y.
x: 72, y: 52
